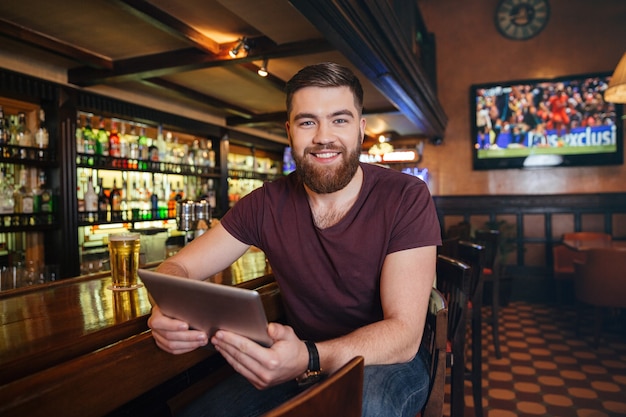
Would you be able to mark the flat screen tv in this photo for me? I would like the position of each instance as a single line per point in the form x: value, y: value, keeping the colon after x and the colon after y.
x: 545, y: 123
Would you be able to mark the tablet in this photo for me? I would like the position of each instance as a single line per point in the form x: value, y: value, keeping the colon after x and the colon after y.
x: 208, y: 306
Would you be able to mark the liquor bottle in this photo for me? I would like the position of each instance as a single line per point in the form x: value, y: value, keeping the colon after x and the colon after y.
x: 89, y: 138
x: 114, y: 142
x: 124, y: 142
x: 154, y: 200
x: 160, y: 144
x: 133, y: 144
x: 171, y: 202
x: 24, y: 136
x: 43, y: 195
x: 142, y: 141
x: 124, y: 198
x: 115, y: 199
x: 102, y: 140
x: 91, y: 198
x: 23, y: 195
x: 7, y: 200
x: 41, y: 136
x: 104, y: 204
x: 211, y: 154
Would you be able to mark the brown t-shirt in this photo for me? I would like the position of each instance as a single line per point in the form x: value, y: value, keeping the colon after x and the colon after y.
x: 330, y: 278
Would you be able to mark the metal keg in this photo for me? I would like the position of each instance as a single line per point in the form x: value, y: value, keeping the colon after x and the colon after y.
x: 185, y: 215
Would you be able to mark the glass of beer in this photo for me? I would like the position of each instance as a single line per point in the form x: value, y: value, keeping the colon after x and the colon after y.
x: 124, y: 255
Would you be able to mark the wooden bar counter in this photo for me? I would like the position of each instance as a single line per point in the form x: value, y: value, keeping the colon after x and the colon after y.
x: 75, y: 348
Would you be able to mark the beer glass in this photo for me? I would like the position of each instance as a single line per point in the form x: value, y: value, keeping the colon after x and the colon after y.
x: 124, y: 256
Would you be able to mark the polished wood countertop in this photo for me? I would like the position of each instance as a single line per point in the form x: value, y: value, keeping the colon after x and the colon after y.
x: 75, y: 339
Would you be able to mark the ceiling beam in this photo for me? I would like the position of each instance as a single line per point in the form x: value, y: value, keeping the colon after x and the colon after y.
x: 170, y: 24
x: 188, y: 93
x: 56, y: 46
x: 191, y: 59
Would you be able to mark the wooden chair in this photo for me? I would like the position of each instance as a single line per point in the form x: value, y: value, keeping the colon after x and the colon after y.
x: 563, y: 259
x: 490, y: 239
x: 434, y: 341
x: 601, y: 282
x: 473, y: 254
x: 453, y: 278
x: 339, y: 395
x: 449, y: 247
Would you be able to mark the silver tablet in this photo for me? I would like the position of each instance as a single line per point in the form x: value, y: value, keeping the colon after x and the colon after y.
x: 208, y: 306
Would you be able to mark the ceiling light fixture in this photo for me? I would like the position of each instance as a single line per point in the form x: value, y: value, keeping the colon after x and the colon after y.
x: 262, y: 71
x: 243, y: 43
x: 616, y: 93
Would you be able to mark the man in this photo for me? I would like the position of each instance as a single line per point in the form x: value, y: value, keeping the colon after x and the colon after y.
x: 352, y: 247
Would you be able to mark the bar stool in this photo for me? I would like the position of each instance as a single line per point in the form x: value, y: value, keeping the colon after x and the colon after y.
x: 473, y: 254
x: 453, y: 277
x: 490, y: 239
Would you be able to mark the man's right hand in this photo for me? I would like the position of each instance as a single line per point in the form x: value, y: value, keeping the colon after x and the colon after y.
x: 174, y: 336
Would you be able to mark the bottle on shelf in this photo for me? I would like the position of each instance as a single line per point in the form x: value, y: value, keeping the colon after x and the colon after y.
x: 24, y: 136
x: 115, y: 199
x: 133, y: 143
x: 102, y: 139
x: 43, y: 195
x: 154, y: 200
x: 7, y: 199
x: 210, y: 154
x: 104, y: 204
x: 23, y: 195
x: 91, y: 201
x: 42, y: 137
x: 160, y: 145
x: 143, y: 145
x: 115, y: 147
x: 89, y: 138
x: 124, y: 142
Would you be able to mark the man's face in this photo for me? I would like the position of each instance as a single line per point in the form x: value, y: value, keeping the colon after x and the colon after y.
x: 325, y: 132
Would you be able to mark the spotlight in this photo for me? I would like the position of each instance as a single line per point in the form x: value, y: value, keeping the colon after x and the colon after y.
x: 263, y: 69
x: 243, y: 43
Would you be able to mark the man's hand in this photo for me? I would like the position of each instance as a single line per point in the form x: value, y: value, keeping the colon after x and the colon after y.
x: 264, y: 367
x: 174, y: 336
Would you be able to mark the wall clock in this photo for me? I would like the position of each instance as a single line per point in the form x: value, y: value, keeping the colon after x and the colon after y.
x: 522, y: 19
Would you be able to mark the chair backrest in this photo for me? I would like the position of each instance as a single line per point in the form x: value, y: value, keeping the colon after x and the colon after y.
x: 453, y: 277
x: 587, y: 236
x: 490, y: 239
x: 473, y: 254
x: 563, y: 259
x: 434, y: 342
x: 600, y: 279
x: 461, y: 230
x: 339, y: 395
x: 449, y: 246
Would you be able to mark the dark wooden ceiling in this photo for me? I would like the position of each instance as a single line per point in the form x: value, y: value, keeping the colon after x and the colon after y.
x: 178, y: 51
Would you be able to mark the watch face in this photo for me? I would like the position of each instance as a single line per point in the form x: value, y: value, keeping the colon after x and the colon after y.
x: 522, y: 19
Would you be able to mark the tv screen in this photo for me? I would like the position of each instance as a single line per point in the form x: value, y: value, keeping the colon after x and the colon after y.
x: 545, y: 123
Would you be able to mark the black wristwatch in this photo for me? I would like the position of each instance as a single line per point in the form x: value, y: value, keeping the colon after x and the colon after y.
x: 314, y: 372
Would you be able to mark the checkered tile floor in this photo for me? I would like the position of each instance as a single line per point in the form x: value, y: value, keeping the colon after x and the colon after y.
x: 549, y: 370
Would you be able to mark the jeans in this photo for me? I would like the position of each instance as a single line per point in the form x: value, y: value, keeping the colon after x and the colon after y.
x: 398, y: 390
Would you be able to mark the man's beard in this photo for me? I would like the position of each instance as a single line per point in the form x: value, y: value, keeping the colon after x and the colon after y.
x: 326, y: 179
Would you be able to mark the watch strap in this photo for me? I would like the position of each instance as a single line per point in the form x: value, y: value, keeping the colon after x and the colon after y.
x: 314, y: 357
x: 314, y: 370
